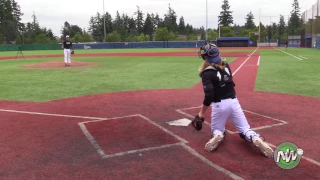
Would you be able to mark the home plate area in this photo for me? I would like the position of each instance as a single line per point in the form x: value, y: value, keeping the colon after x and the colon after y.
x: 147, y: 150
x: 256, y: 120
x: 126, y: 135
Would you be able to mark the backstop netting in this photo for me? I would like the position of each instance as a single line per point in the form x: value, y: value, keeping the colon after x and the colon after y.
x: 311, y: 20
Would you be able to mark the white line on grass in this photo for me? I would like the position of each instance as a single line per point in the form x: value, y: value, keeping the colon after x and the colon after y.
x: 303, y: 57
x: 289, y: 54
x: 244, y: 62
x: 258, y: 63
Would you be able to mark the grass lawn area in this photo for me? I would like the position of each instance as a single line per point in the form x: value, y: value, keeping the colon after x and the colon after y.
x: 83, y: 51
x: 280, y: 72
x: 114, y: 74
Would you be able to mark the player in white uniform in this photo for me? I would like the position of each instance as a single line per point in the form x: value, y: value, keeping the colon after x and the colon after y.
x: 67, y: 47
x: 219, y: 92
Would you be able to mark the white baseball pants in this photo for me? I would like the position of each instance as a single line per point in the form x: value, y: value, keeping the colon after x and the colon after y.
x: 67, y: 56
x: 230, y: 109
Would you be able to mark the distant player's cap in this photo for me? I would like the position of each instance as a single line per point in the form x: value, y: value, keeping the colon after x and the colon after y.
x: 67, y: 36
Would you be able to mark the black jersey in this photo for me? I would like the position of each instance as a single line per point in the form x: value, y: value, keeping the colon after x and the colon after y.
x: 67, y: 44
x: 217, y: 84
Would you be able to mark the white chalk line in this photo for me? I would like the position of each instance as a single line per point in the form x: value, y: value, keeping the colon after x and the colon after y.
x: 258, y: 63
x: 91, y: 139
x: 244, y: 62
x: 181, y: 143
x: 303, y: 57
x: 104, y: 156
x: 50, y: 114
x: 236, y: 132
x: 282, y: 122
x: 289, y: 54
x: 210, y: 163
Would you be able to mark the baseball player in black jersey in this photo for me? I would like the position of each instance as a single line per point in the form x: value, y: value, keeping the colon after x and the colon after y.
x: 219, y: 90
x: 67, y: 46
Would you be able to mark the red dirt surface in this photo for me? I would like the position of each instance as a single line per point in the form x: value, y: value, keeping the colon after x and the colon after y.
x: 49, y: 146
x: 59, y: 64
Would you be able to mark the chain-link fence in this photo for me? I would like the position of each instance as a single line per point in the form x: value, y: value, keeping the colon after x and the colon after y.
x: 311, y: 23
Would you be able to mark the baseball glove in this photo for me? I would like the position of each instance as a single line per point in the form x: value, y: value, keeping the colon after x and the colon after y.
x: 72, y: 52
x: 197, y: 122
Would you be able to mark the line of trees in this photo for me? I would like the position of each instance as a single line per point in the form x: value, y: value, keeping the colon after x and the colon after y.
x: 140, y: 27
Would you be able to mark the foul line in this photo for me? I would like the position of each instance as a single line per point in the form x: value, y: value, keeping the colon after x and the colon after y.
x: 258, y: 63
x: 244, y: 62
x: 289, y: 54
x: 49, y: 114
x: 303, y: 57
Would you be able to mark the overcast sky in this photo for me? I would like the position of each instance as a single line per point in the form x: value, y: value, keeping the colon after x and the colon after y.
x: 53, y: 13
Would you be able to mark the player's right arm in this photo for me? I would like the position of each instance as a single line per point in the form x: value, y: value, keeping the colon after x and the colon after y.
x: 208, y: 88
x: 63, y: 44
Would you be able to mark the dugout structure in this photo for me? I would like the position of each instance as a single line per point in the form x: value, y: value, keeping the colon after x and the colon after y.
x: 234, y: 42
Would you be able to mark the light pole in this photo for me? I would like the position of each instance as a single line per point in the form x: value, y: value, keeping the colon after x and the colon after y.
x: 104, y: 23
x: 206, y: 20
x: 219, y: 29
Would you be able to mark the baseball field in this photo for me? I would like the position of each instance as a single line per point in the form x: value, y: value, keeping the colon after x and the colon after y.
x: 106, y: 116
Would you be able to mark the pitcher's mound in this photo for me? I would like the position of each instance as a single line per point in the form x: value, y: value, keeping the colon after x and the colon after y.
x: 60, y: 64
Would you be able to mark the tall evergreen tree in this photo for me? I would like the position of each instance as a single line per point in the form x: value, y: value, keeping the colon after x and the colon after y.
x: 249, y: 21
x: 182, y: 26
x: 225, y: 18
x: 148, y: 26
x: 294, y: 20
x: 170, y: 20
x: 281, y: 26
x: 139, y: 20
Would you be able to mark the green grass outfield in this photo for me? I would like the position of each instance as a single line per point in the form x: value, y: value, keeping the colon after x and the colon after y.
x: 82, y: 51
x: 278, y: 72
x: 282, y: 73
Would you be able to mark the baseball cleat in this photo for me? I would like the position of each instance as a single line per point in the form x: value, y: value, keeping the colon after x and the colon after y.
x: 263, y: 147
x: 214, y: 142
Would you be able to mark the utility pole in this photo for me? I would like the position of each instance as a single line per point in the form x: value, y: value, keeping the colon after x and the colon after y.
x: 259, y: 26
x: 206, y: 20
x: 104, y: 23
